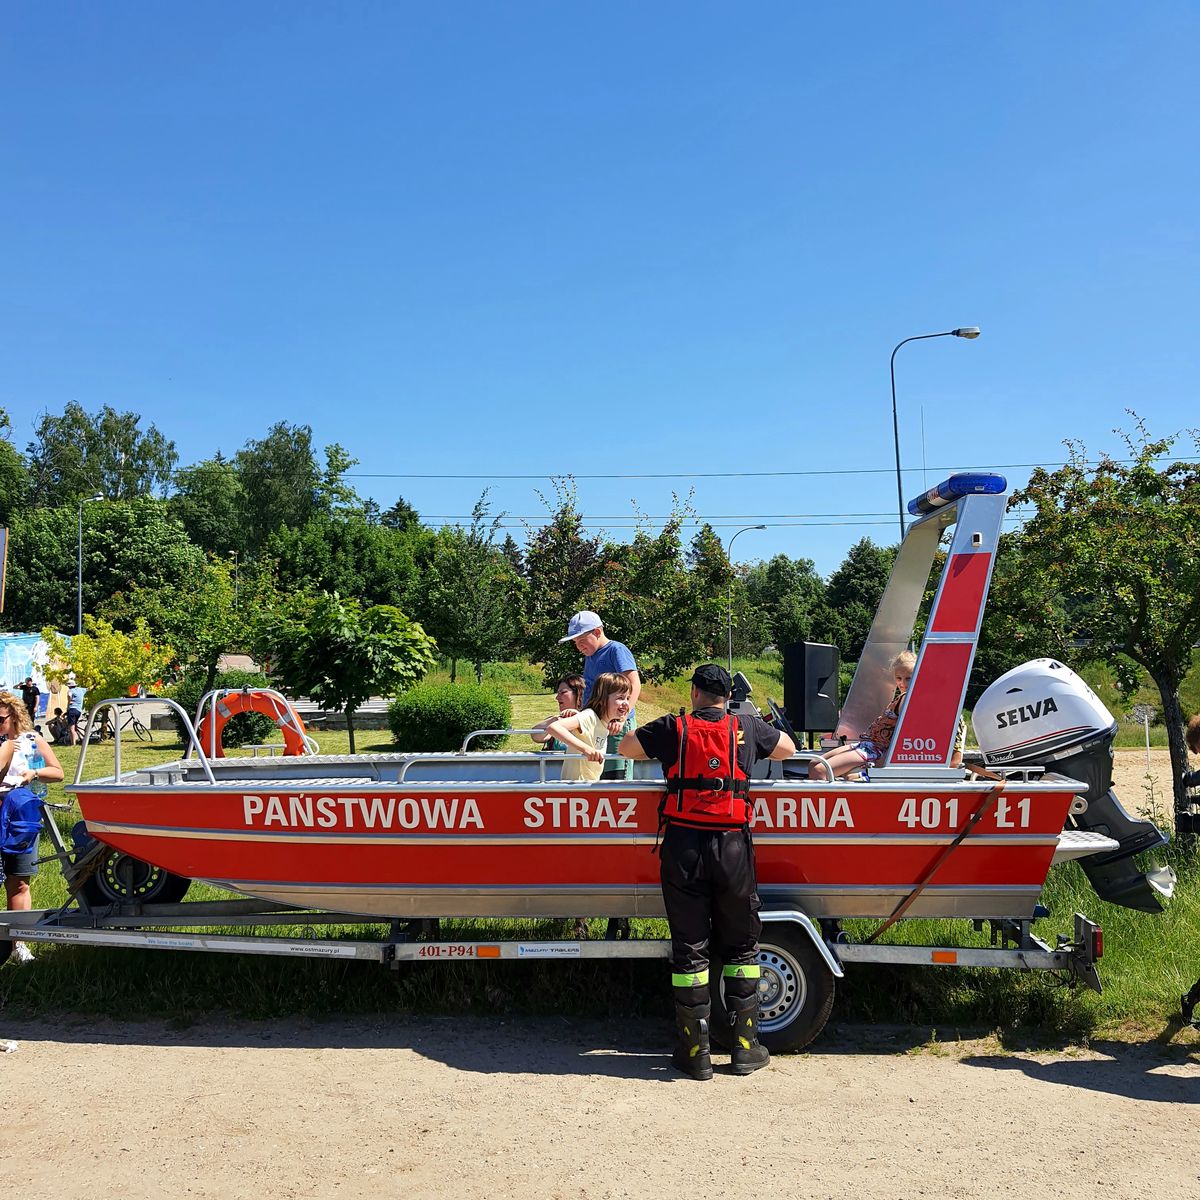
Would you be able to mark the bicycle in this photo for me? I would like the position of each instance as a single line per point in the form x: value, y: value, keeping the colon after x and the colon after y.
x: 129, y: 721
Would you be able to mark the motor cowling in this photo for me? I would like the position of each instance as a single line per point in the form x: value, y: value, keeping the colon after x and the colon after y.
x: 1043, y: 714
x: 1040, y: 712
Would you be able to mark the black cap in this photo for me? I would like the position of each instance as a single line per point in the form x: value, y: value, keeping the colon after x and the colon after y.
x: 712, y: 679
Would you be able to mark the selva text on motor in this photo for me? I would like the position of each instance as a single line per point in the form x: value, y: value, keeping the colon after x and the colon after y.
x: 1026, y: 712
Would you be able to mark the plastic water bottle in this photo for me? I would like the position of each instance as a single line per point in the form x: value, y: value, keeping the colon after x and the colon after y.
x: 38, y: 786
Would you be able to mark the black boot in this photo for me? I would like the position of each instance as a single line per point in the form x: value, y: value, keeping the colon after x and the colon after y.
x: 748, y: 1052
x: 692, y: 1051
x: 1189, y: 1000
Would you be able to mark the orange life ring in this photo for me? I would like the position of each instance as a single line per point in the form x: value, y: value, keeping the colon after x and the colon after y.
x: 295, y: 740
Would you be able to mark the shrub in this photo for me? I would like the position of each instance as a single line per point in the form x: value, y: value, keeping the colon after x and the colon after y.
x: 245, y: 728
x: 437, y: 716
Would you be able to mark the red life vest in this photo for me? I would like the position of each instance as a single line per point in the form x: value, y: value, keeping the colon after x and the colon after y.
x: 705, y: 784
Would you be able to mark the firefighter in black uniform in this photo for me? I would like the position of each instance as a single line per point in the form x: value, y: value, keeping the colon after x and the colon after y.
x: 707, y: 863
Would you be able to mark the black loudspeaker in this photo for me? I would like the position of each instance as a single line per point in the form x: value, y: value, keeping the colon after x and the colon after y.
x: 810, y: 686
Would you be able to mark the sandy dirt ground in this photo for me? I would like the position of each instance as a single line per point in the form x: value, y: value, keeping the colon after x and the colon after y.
x: 1141, y: 790
x: 491, y: 1108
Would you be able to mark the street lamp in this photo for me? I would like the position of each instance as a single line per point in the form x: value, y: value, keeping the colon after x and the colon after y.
x: 970, y: 332
x: 79, y: 611
x: 728, y: 550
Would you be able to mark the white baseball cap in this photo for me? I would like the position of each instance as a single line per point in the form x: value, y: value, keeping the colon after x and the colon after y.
x: 581, y: 623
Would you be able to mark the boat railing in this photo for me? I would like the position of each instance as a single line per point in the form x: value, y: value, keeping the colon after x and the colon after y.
x: 118, y: 703
x: 285, y: 714
x: 455, y: 757
x: 544, y: 756
x: 499, y: 733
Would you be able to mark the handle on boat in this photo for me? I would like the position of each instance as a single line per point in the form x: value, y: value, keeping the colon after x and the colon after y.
x: 119, y: 702
x: 491, y: 733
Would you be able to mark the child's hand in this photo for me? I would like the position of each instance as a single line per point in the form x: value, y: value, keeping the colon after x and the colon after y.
x: 567, y: 712
x: 614, y: 726
x: 594, y: 755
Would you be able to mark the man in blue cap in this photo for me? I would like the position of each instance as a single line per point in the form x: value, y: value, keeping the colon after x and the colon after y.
x: 707, y: 863
x: 601, y: 655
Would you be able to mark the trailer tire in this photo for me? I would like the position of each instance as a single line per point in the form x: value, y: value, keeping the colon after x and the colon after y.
x: 796, y: 991
x: 122, y: 879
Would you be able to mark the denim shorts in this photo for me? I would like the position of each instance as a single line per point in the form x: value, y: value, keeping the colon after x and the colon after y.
x: 19, y: 866
x: 869, y: 751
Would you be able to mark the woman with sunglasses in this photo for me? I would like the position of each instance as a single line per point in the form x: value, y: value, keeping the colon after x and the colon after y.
x: 20, y: 809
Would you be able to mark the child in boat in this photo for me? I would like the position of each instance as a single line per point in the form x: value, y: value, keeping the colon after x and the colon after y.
x: 568, y: 693
x: 878, y: 735
x: 587, y: 731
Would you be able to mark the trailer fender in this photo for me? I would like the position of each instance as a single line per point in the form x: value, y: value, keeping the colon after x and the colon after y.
x: 805, y: 923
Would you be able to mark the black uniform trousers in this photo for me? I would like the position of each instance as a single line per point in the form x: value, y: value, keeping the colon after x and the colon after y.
x: 711, y: 894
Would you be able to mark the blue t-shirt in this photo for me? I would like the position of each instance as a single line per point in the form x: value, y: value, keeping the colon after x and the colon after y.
x: 612, y: 657
x: 75, y: 697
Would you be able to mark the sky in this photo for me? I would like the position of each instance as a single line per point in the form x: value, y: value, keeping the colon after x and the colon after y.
x: 666, y: 249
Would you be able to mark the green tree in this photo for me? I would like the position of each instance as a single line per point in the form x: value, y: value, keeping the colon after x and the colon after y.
x: 107, y: 661
x: 334, y: 494
x: 123, y: 544
x: 77, y: 454
x: 343, y: 553
x: 339, y: 654
x: 785, y: 594
x: 208, y: 503
x: 14, y: 475
x: 401, y: 516
x: 565, y: 569
x: 206, y: 615
x: 643, y: 599
x: 1121, y: 542
x: 706, y: 613
x: 470, y: 597
x: 1025, y: 617
x: 852, y: 596
x: 279, y: 480
x: 666, y: 602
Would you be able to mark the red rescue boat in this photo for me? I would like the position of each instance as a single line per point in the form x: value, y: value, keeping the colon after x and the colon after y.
x: 498, y: 835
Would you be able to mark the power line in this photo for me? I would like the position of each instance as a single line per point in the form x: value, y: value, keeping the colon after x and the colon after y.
x: 698, y: 519
x: 754, y: 474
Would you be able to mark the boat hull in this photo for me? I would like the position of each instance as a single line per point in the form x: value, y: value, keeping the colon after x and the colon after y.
x: 534, y: 849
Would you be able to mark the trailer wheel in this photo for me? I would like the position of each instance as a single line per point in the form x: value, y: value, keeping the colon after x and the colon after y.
x: 795, y: 991
x: 122, y: 879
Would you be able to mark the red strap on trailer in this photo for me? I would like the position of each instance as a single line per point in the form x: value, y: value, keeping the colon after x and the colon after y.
x: 973, y: 820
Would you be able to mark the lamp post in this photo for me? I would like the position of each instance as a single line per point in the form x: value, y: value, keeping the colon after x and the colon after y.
x: 728, y: 553
x: 970, y: 332
x: 79, y: 610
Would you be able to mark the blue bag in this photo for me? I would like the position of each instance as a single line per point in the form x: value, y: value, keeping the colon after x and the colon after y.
x: 20, y: 821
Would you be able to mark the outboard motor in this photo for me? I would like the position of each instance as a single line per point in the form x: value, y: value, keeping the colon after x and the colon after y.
x: 1041, y: 713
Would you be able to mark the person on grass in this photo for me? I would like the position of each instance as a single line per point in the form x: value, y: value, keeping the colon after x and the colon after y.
x: 20, y: 809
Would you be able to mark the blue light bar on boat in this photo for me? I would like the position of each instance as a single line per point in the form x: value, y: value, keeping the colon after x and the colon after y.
x: 970, y: 483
